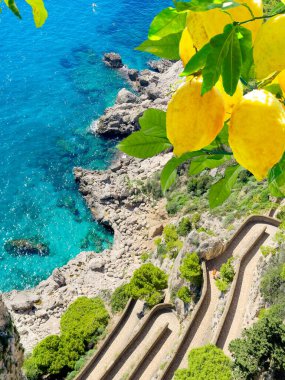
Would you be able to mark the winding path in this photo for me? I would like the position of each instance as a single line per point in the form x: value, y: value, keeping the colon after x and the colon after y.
x: 245, y: 244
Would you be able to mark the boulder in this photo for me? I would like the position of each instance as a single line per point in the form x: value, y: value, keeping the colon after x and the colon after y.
x: 113, y: 60
x: 156, y: 230
x: 160, y: 65
x: 133, y: 75
x: 23, y: 302
x: 58, y: 277
x: 211, y: 248
x: 22, y: 247
x: 125, y: 96
x: 97, y: 264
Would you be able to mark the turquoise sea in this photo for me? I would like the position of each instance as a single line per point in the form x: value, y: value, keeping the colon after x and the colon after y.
x: 52, y: 85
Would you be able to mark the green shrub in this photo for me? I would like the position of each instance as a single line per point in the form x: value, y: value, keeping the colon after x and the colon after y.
x: 170, y: 233
x: 120, y: 298
x: 266, y: 250
x: 260, y: 349
x: 184, y: 294
x: 170, y: 244
x: 145, y: 256
x: 227, y: 271
x: 190, y: 269
x: 147, y: 284
x: 176, y: 202
x: 199, y: 185
x: 196, y: 217
x: 271, y: 284
x: 184, y: 226
x: 222, y: 285
x: 153, y: 187
x: 81, y: 324
x: 207, y: 362
x: 86, y: 317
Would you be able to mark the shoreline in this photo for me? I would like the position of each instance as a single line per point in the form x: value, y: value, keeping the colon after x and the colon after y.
x: 37, y: 311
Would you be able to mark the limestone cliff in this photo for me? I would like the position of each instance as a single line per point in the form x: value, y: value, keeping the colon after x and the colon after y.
x: 11, y: 350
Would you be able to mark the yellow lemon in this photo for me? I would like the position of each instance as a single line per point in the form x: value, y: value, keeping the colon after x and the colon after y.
x: 186, y: 47
x: 193, y: 121
x: 281, y: 81
x: 230, y: 101
x: 269, y: 47
x: 257, y: 132
x: 205, y: 25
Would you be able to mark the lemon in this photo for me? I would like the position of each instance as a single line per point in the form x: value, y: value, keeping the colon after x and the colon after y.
x: 230, y: 101
x: 205, y: 25
x: 193, y: 121
x: 186, y: 47
x: 257, y: 132
x: 269, y: 47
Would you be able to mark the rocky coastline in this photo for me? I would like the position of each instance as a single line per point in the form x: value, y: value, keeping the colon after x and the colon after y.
x: 114, y: 201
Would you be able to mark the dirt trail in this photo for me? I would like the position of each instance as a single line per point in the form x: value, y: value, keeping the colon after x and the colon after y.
x: 247, y: 241
x: 233, y: 324
x: 120, y: 341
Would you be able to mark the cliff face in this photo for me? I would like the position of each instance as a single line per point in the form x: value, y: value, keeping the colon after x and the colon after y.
x: 11, y: 350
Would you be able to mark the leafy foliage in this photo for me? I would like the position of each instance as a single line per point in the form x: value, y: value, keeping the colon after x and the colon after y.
x: 81, y: 325
x: 148, y: 283
x: 184, y: 294
x: 207, y: 362
x: 120, y: 298
x: 184, y: 226
x: 261, y: 348
x: 39, y: 11
x: 190, y: 269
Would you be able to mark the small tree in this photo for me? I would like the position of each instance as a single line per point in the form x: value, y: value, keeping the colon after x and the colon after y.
x: 184, y: 294
x: 207, y: 362
x: 190, y: 269
x: 147, y: 283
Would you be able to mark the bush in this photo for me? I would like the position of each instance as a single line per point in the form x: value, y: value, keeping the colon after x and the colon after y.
x: 222, y: 285
x: 176, y: 202
x: 184, y: 294
x: 272, y: 284
x: 81, y: 324
x: 190, y: 269
x: 266, y: 250
x: 147, y: 284
x: 120, y: 298
x: 260, y: 349
x: 207, y: 362
x: 86, y: 317
x: 170, y: 244
x: 170, y: 233
x: 199, y: 185
x: 227, y: 273
x: 145, y: 256
x: 184, y: 226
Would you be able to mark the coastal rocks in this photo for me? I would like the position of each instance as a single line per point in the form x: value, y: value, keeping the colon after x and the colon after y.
x: 11, y: 350
x: 113, y: 60
x: 22, y: 247
x: 153, y: 90
x: 160, y: 65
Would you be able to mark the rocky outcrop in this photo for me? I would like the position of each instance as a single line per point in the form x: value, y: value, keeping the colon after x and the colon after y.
x: 153, y: 90
x: 11, y: 350
x: 113, y: 60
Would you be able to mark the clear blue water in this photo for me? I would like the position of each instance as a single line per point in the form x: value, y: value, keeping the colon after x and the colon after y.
x: 52, y: 85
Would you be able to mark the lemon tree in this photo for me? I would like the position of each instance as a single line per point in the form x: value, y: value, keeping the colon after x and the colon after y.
x: 229, y: 108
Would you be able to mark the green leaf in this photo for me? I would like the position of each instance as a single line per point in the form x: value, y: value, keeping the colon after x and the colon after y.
x: 167, y: 47
x: 141, y: 145
x: 275, y: 89
x: 201, y: 163
x: 39, y: 12
x: 220, y: 47
x: 221, y: 190
x: 246, y: 48
x: 153, y: 122
x: 13, y: 7
x: 223, y: 136
x: 204, y: 5
x: 276, y: 179
x: 167, y: 22
x: 198, y: 61
x: 232, y: 63
x: 168, y: 174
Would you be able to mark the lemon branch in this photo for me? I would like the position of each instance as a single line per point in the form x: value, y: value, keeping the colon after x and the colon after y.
x: 259, y: 18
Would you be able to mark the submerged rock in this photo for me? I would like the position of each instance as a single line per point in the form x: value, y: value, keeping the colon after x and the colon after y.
x: 22, y: 247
